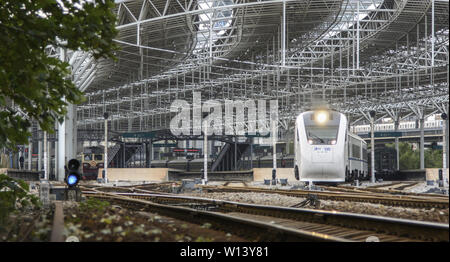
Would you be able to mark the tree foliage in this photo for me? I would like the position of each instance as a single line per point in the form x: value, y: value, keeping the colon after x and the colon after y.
x: 14, y: 194
x: 410, y: 159
x: 30, y: 78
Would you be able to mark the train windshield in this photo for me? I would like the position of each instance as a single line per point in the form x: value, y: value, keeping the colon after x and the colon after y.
x: 87, y: 157
x: 323, y: 132
x: 98, y: 157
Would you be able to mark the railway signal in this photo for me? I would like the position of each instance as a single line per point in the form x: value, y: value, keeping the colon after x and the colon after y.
x: 73, y: 174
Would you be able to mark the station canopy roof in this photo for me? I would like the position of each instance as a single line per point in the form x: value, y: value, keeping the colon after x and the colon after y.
x: 355, y: 56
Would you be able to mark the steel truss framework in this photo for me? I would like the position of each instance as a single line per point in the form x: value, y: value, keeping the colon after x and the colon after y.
x: 390, y: 56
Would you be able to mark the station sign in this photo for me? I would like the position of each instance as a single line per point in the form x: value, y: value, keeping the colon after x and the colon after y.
x: 436, y: 147
x: 189, y: 150
x: 385, y: 134
x: 139, y: 135
x: 257, y: 134
x: 165, y: 145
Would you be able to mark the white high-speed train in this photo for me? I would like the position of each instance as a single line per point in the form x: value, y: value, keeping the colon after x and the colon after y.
x: 325, y: 151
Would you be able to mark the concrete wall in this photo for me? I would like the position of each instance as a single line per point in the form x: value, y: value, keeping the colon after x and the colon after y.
x: 433, y: 173
x: 259, y: 174
x: 4, y: 160
x: 136, y: 174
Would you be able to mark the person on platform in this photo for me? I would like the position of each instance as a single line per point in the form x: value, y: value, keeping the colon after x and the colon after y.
x: 21, y: 161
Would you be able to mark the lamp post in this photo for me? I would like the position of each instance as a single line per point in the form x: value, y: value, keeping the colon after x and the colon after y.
x: 105, y: 160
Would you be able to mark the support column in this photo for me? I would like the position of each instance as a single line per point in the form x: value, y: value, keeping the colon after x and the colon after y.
x: 397, y: 124
x: 67, y: 141
x: 274, y: 145
x: 251, y: 153
x: 205, y: 153
x: 446, y: 130
x: 39, y: 165
x: 422, y: 143
x: 445, y: 148
x: 147, y: 155
x: 55, y: 170
x: 30, y: 152
x: 235, y: 153
x: 45, y: 156
x: 372, y: 145
x: 71, y: 132
x: 105, y: 115
x: 61, y: 151
x: 49, y: 158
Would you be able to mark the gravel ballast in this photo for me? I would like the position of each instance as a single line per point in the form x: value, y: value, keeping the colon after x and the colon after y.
x: 421, y: 214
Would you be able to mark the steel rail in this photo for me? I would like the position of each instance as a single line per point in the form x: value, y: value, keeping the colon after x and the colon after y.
x: 338, y: 196
x: 251, y: 229
x: 351, y: 225
x: 353, y: 189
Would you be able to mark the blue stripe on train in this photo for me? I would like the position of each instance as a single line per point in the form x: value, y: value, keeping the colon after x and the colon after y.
x: 356, y: 159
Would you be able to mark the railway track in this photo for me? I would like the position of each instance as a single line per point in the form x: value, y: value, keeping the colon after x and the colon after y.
x: 368, y: 195
x: 385, y: 185
x: 392, y: 200
x: 270, y: 223
x: 405, y: 186
x: 395, y: 191
x: 394, y: 186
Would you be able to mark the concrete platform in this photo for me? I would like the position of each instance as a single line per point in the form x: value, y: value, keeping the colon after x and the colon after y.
x: 136, y: 174
x: 259, y: 174
x: 244, y: 175
x: 23, y: 174
x: 433, y: 173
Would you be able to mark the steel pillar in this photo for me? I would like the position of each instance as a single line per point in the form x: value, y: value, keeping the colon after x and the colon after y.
x: 446, y: 130
x: 71, y: 132
x: 251, y: 153
x: 106, y: 150
x: 445, y: 152
x: 67, y: 141
x: 30, y: 153
x: 45, y: 156
x: 55, y: 170
x: 422, y: 143
x: 39, y: 165
x: 147, y: 154
x: 205, y: 153
x: 372, y: 151
x: 397, y: 124
x: 61, y: 151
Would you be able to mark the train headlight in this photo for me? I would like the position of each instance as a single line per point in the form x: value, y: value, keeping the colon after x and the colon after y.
x: 321, y: 117
x: 333, y: 142
x: 310, y: 141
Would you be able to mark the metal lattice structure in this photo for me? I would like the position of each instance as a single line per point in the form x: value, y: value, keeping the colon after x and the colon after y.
x: 356, y: 56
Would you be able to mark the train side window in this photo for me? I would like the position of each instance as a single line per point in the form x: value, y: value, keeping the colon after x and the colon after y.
x: 356, y: 151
